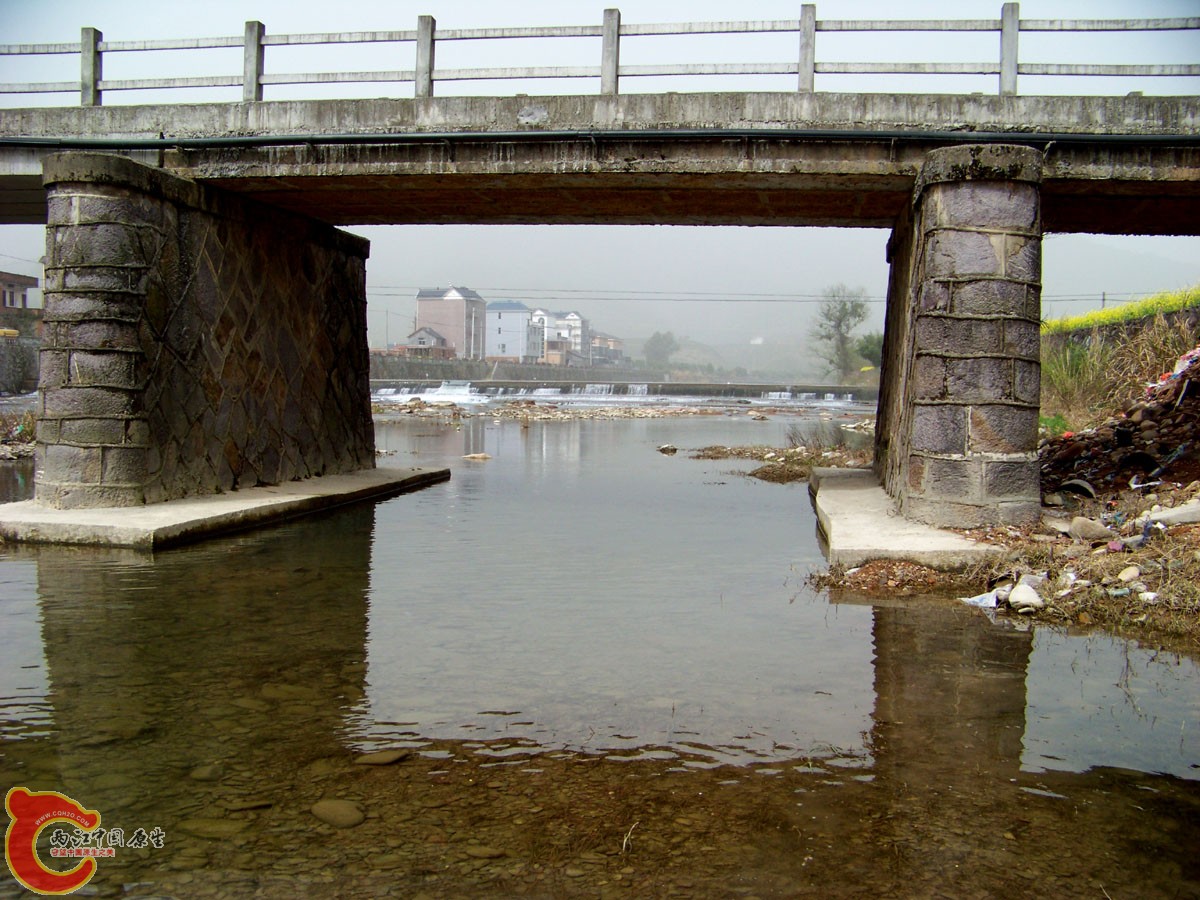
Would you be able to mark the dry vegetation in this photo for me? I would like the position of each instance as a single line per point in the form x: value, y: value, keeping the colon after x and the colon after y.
x: 1099, y: 388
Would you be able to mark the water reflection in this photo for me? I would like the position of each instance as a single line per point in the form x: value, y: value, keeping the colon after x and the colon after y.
x: 212, y: 657
x: 610, y: 674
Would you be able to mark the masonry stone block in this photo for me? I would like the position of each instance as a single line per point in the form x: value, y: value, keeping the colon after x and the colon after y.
x: 110, y: 369
x: 97, y: 402
x: 124, y: 465
x: 61, y: 463
x: 48, y: 430
x: 1022, y: 338
x: 1023, y: 258
x: 934, y: 296
x: 929, y: 378
x: 1000, y: 205
x: 92, y: 432
x: 939, y: 429
x: 981, y: 378
x: 955, y: 479
x: 950, y: 252
x: 990, y: 297
x: 1011, y: 479
x: 1003, y: 429
x: 96, y: 307
x: 103, y: 334
x: 53, y: 367
x: 1027, y: 382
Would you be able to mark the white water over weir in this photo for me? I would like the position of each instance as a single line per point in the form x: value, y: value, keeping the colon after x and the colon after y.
x: 385, y: 391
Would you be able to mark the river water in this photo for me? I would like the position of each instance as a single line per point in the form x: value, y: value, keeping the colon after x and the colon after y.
x: 611, y: 680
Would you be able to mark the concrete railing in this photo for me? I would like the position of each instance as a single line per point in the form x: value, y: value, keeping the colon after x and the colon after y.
x: 254, y: 77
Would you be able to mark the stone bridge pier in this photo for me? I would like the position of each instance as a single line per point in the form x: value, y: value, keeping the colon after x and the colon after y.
x: 195, y: 341
x: 956, y: 435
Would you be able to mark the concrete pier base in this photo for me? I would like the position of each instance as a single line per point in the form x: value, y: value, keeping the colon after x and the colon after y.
x: 858, y: 523
x: 157, y: 526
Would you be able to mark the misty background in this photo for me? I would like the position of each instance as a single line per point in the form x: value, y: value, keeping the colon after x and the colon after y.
x: 746, y: 294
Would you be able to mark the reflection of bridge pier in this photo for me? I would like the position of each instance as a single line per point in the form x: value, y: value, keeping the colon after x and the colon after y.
x: 238, y: 663
x: 947, y: 739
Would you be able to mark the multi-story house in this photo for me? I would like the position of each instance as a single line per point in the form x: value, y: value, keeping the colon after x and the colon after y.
x: 512, y: 335
x: 457, y: 314
x: 568, y: 337
x: 607, y: 350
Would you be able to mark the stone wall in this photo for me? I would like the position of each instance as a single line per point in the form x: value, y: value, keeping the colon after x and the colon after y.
x: 958, y: 443
x: 194, y: 342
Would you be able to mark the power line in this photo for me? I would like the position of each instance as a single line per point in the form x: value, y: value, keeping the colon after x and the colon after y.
x: 534, y: 294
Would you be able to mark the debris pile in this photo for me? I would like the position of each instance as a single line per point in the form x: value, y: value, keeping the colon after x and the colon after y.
x: 1153, y: 441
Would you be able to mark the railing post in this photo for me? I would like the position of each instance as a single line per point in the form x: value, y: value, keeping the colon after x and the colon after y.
x: 252, y: 62
x: 808, y: 48
x: 1010, y: 27
x: 426, y: 26
x: 91, y: 67
x: 610, y: 52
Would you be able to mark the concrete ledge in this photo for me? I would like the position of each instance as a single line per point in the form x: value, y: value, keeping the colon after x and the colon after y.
x: 160, y: 525
x: 859, y: 523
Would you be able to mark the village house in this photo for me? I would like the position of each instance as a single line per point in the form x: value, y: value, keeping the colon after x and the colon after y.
x: 425, y: 343
x: 512, y: 335
x: 16, y: 312
x: 458, y: 316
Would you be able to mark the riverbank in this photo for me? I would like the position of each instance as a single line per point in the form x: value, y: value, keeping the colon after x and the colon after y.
x: 1118, y: 544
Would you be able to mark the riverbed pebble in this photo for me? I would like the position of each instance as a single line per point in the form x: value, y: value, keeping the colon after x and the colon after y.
x: 338, y: 813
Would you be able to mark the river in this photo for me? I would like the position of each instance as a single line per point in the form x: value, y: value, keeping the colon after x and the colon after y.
x: 605, y: 676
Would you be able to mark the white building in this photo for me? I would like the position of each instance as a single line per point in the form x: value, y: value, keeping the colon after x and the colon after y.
x: 512, y: 335
x: 566, y: 328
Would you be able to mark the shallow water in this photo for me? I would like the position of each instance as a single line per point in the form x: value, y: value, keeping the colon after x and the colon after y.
x: 612, y: 681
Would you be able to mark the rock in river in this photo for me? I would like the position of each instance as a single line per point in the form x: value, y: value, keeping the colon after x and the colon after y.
x: 338, y: 813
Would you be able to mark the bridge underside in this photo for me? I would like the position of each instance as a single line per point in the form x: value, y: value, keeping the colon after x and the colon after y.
x: 834, y: 185
x: 1093, y: 190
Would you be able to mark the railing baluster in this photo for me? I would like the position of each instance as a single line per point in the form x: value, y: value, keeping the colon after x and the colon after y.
x: 92, y: 48
x: 426, y: 26
x: 252, y: 62
x: 610, y: 53
x: 91, y: 67
x: 1010, y: 28
x: 808, y: 48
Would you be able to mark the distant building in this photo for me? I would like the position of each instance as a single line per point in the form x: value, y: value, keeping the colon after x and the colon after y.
x: 579, y: 333
x: 16, y: 290
x: 458, y: 315
x: 425, y: 343
x: 567, y: 335
x: 512, y: 335
x: 607, y: 350
x: 15, y: 310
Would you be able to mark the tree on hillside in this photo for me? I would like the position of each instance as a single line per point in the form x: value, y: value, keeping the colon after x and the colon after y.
x: 870, y: 348
x: 841, y: 311
x: 659, y: 347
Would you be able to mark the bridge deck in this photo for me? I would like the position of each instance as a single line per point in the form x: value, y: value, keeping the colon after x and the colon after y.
x: 1114, y: 164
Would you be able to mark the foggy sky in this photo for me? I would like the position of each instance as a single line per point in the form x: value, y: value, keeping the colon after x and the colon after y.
x: 593, y: 268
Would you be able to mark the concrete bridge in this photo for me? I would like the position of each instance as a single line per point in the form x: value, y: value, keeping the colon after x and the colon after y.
x: 206, y: 322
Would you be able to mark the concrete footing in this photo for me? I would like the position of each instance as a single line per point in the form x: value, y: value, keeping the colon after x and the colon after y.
x: 858, y: 523
x: 157, y: 526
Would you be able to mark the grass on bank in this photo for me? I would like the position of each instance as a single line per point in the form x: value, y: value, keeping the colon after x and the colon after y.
x: 18, y: 428
x: 1088, y: 374
x: 1148, y: 307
